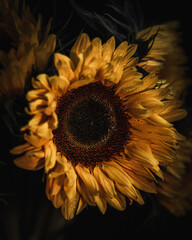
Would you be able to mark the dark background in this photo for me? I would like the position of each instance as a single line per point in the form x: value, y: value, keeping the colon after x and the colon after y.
x: 25, y: 212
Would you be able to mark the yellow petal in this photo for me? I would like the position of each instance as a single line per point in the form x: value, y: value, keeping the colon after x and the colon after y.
x: 174, y: 115
x: 142, y: 183
x: 81, y: 83
x: 108, y: 49
x: 65, y: 66
x: 121, y: 50
x: 57, y: 184
x: 88, y: 179
x: 143, y: 154
x: 101, y: 204
x: 31, y: 160
x: 116, y: 173
x: 34, y: 140
x: 118, y: 202
x: 81, y: 205
x: 72, y: 196
x: 58, y: 200
x: 105, y: 182
x: 50, y: 155
x: 41, y: 81
x: 97, y: 44
x: 21, y: 149
x: 81, y: 44
x: 59, y: 84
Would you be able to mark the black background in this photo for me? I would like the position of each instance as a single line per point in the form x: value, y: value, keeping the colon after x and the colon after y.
x: 26, y: 214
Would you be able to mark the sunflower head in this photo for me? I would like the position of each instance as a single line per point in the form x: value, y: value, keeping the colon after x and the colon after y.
x: 101, y: 127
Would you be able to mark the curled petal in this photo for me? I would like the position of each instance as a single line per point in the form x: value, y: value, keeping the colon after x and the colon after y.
x: 64, y: 66
x: 32, y: 160
x: 59, y: 84
x: 34, y: 140
x: 50, y: 155
x: 21, y: 149
x: 41, y: 81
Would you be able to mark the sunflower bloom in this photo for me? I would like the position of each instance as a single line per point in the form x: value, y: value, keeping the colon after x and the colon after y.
x: 166, y: 57
x: 28, y: 52
x: 102, y: 127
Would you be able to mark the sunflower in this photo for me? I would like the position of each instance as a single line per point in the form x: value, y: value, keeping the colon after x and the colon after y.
x: 26, y: 51
x: 166, y: 57
x: 102, y: 127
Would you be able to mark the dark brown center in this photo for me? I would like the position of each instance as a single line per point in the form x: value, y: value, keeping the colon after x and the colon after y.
x: 93, y: 125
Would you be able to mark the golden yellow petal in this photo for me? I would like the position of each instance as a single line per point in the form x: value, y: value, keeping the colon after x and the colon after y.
x: 157, y: 120
x: 174, y: 115
x: 118, y: 66
x: 149, y: 82
x: 144, y: 126
x: 97, y: 44
x: 44, y: 131
x: 59, y: 84
x: 65, y: 66
x: 130, y: 192
x: 86, y: 196
x: 81, y: 205
x: 142, y: 183
x: 131, y: 50
x: 34, y: 140
x: 35, y: 105
x: 131, y: 62
x: 90, y: 57
x: 136, y: 167
x: 31, y: 160
x: 118, y: 202
x: 34, y: 94
x: 130, y: 82
x: 50, y: 155
x: 59, y: 170
x: 72, y: 196
x: 21, y: 149
x: 81, y: 83
x: 56, y: 186
x: 108, y: 49
x: 106, y: 183
x: 48, y: 186
x: 101, y: 204
x: 121, y: 50
x: 58, y: 200
x: 41, y: 81
x: 50, y: 97
x: 88, y: 179
x: 138, y: 111
x: 81, y: 44
x: 142, y: 153
x: 116, y: 173
x: 33, y: 123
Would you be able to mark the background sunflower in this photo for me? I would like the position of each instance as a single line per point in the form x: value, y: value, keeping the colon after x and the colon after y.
x: 123, y: 218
